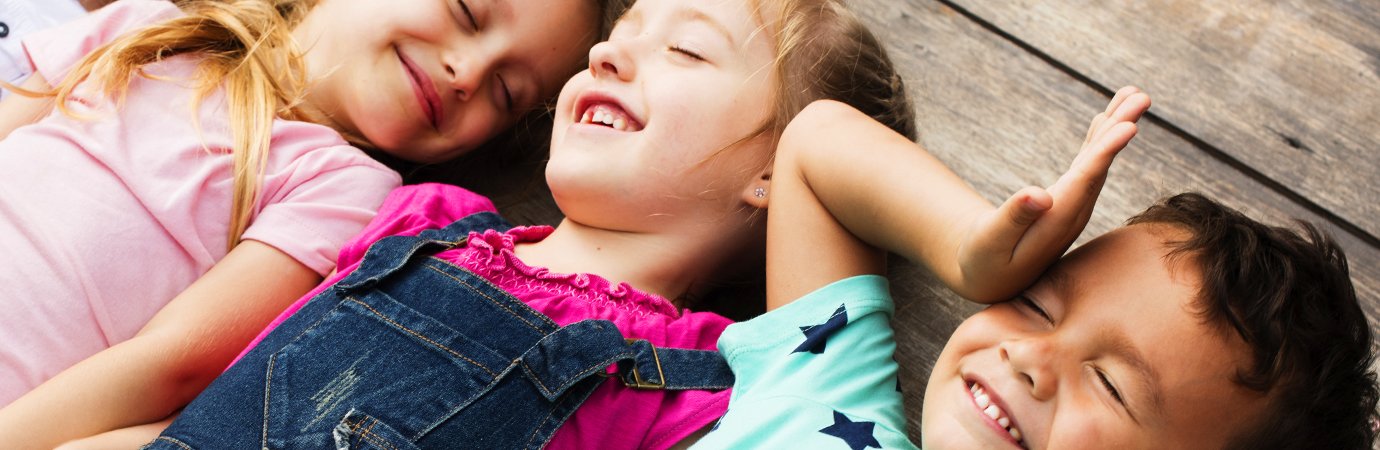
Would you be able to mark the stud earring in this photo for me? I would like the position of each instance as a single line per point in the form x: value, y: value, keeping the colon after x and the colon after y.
x: 759, y: 192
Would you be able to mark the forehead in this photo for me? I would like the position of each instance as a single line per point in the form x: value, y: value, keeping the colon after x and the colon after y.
x: 739, y: 20
x: 1123, y: 285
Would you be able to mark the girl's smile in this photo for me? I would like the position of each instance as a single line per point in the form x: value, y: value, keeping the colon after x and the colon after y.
x: 427, y: 97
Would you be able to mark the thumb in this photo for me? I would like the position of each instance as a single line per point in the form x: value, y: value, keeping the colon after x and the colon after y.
x: 999, y: 233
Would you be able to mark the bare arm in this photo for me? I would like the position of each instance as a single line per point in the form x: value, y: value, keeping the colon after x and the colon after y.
x: 185, y: 346
x: 18, y: 110
x: 843, y: 184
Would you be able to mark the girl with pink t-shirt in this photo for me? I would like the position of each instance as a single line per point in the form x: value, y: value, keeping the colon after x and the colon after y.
x: 661, y: 162
x: 175, y: 173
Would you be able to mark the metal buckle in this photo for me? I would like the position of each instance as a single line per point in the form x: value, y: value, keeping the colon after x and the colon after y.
x: 638, y: 382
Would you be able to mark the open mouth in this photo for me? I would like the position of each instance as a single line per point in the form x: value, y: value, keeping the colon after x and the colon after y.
x: 995, y: 412
x: 609, y: 114
x: 425, y: 90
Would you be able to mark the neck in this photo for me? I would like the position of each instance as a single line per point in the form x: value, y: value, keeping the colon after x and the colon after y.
x: 669, y: 265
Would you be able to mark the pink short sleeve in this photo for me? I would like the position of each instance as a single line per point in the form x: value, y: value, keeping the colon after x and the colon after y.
x: 54, y: 51
x: 315, y: 204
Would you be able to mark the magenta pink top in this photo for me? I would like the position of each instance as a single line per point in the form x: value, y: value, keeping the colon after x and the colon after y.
x: 614, y: 417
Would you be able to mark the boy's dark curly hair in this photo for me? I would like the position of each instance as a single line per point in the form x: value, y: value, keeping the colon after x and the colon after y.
x: 1288, y: 294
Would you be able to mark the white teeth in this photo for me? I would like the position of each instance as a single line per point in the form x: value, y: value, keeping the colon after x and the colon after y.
x: 612, y: 118
x: 992, y: 411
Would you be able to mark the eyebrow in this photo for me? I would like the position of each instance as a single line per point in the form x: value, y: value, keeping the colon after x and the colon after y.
x: 1147, y: 377
x: 695, y: 15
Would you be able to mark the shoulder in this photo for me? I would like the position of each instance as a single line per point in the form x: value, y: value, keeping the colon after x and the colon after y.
x: 797, y: 422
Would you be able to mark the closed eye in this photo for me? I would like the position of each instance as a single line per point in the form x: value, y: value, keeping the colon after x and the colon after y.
x: 507, y: 93
x: 686, y: 52
x: 465, y: 8
x: 1111, y: 389
x: 1034, y: 307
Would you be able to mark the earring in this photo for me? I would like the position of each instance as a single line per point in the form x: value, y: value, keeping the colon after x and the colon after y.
x: 759, y: 192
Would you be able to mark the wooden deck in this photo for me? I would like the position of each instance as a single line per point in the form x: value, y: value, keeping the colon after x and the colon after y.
x: 1272, y: 107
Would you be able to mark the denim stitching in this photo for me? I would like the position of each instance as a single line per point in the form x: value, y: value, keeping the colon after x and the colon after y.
x: 375, y: 439
x: 420, y: 336
x: 174, y: 441
x: 268, y: 386
x: 486, y: 296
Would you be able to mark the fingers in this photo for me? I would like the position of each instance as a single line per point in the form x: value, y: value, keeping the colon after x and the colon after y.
x: 999, y: 232
x: 1127, y: 105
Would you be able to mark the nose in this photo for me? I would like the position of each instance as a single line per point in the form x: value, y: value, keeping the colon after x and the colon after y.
x: 611, y: 59
x: 1031, y: 360
x: 466, y: 75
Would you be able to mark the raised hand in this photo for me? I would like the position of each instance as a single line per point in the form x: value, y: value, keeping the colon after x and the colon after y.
x: 1009, y: 247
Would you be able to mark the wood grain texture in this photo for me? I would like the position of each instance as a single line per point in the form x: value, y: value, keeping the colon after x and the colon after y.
x: 1291, y: 88
x: 1004, y: 119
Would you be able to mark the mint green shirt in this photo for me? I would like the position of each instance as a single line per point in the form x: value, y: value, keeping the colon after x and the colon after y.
x: 817, y: 373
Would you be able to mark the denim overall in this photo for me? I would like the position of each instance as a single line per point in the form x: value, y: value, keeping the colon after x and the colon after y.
x: 411, y: 352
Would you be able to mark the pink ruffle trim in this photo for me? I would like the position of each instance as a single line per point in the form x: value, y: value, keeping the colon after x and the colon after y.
x: 490, y: 254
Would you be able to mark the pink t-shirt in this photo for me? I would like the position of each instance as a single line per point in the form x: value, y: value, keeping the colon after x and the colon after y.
x: 615, y: 416
x: 106, y: 218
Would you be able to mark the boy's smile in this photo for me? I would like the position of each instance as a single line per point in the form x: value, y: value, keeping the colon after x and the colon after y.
x: 1107, y: 350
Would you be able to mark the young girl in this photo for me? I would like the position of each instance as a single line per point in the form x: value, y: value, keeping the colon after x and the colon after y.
x: 481, y: 336
x: 114, y: 206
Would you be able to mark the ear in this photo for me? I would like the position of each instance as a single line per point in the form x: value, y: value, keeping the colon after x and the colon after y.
x: 758, y: 191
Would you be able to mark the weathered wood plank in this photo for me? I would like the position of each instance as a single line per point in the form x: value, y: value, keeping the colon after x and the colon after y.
x: 1003, y: 119
x: 1289, y: 87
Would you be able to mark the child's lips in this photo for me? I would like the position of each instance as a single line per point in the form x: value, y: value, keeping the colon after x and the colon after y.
x: 425, y: 90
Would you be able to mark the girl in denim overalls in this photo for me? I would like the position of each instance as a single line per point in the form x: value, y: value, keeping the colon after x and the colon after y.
x: 475, y: 335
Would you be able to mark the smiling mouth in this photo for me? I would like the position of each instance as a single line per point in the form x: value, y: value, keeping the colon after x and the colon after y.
x: 425, y: 91
x: 611, y: 116
x: 992, y: 411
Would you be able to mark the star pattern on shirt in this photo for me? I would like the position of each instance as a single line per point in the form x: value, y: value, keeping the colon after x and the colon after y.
x: 858, y: 435
x: 817, y: 335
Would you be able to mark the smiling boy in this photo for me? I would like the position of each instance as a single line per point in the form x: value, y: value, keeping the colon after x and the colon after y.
x: 1193, y: 326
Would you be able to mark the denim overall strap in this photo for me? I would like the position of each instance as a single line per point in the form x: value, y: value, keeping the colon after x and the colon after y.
x: 389, y: 254
x: 590, y: 347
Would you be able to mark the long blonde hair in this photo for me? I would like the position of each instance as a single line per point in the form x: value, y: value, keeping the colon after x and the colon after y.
x: 245, y: 46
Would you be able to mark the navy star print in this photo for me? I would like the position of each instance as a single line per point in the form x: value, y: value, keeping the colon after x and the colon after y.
x: 816, y: 335
x: 858, y: 435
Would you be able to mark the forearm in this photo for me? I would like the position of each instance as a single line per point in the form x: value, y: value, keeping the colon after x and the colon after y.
x: 135, y: 382
x: 885, y: 189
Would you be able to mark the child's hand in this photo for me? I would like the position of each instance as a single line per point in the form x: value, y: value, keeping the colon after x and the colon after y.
x: 1011, y: 246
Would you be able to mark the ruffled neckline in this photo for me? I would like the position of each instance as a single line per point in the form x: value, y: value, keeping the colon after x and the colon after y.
x: 492, y: 251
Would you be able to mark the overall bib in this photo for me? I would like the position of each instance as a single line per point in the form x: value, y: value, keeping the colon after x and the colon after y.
x: 410, y: 351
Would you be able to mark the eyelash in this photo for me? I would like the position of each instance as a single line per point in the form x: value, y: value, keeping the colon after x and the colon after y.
x: 1110, y: 389
x: 1035, y: 307
x: 507, y: 94
x: 466, y: 9
x: 686, y: 52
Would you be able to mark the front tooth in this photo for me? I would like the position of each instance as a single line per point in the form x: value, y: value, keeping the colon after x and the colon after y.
x: 1004, y: 422
x: 589, y: 117
x: 982, y: 400
x: 620, y: 124
x: 1015, y: 434
x: 599, y: 116
x: 992, y: 411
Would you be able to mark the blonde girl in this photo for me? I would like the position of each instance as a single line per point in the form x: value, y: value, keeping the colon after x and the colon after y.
x: 178, y: 172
